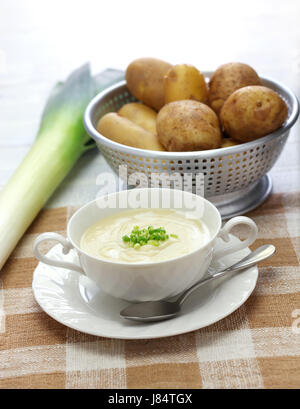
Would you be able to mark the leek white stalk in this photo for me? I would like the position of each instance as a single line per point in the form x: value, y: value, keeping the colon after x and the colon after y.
x: 61, y: 140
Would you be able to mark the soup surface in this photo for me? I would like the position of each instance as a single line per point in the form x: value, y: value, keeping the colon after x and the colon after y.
x: 144, y: 235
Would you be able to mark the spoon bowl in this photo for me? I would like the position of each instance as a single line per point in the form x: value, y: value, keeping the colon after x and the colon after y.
x: 151, y: 311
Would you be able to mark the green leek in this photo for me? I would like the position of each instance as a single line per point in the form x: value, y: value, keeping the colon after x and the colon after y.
x: 60, y: 141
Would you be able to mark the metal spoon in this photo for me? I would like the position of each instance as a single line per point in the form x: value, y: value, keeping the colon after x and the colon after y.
x: 163, y: 310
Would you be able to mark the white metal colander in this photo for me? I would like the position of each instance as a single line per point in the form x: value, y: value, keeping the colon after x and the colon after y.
x: 235, y: 178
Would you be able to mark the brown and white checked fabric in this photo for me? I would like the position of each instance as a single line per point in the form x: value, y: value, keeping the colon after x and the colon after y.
x: 258, y: 346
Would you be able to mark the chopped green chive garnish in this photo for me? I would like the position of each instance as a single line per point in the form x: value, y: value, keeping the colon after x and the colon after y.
x: 152, y: 236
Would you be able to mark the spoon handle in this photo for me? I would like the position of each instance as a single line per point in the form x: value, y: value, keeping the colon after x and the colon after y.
x: 253, y: 258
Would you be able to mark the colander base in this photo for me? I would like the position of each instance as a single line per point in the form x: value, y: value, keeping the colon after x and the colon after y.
x: 243, y: 201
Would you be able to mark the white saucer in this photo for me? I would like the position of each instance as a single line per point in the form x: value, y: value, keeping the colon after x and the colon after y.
x: 73, y: 300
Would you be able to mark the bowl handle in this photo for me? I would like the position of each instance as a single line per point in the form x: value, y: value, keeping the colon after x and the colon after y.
x: 67, y: 246
x: 224, y: 234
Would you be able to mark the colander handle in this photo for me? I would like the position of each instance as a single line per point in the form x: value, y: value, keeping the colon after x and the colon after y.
x: 224, y: 235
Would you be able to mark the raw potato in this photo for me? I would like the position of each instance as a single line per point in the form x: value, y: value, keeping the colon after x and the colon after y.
x: 144, y: 79
x: 188, y: 126
x: 227, y: 142
x: 252, y: 112
x: 141, y: 115
x: 227, y: 79
x: 184, y: 81
x: 122, y: 130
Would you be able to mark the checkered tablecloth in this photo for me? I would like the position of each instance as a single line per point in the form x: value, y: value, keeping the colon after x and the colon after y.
x: 258, y: 346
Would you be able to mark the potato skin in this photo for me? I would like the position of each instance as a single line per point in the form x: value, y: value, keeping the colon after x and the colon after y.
x: 141, y: 115
x: 144, y: 78
x: 188, y: 126
x: 185, y: 81
x: 124, y: 131
x: 252, y: 112
x: 227, y: 142
x: 227, y: 79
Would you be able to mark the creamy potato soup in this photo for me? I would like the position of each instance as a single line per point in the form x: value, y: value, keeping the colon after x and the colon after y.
x: 144, y: 235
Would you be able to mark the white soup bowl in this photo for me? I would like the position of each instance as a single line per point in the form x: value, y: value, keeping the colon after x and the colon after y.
x: 148, y: 281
